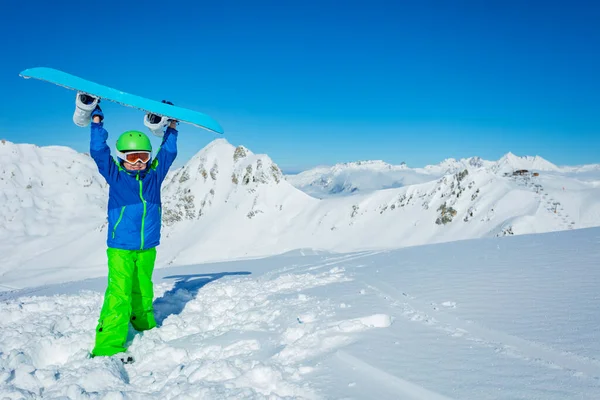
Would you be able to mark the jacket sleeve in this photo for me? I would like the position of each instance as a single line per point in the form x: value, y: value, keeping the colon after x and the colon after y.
x: 100, y: 153
x: 167, y: 153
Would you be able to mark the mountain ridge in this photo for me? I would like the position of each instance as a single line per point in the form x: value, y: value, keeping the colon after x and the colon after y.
x: 369, y: 175
x: 227, y: 202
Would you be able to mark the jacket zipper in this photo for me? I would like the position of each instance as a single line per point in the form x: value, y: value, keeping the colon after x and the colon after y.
x: 143, y: 215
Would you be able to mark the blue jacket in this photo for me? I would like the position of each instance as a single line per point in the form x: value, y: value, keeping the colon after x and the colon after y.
x: 134, y: 207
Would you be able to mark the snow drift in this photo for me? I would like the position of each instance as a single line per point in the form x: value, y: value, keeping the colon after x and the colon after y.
x: 498, y: 318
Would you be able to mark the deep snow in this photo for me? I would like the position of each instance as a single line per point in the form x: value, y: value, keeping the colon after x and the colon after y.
x: 499, y: 318
x: 312, y: 298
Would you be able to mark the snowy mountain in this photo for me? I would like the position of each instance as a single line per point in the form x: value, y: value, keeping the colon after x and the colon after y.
x: 350, y: 178
x: 52, y: 206
x: 364, y: 176
x: 500, y: 318
x: 581, y: 168
x: 308, y: 298
x: 506, y: 164
x: 510, y: 162
x: 216, y: 175
x: 451, y: 165
x: 46, y: 189
x: 227, y: 202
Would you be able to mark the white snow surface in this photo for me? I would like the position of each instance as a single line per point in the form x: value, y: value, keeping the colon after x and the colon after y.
x: 365, y: 176
x: 498, y: 318
x: 362, y: 176
x: 229, y: 203
x: 264, y: 292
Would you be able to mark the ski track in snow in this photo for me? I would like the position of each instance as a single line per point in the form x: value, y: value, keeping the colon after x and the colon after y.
x: 329, y: 261
x: 333, y: 326
x: 433, y: 314
x: 416, y: 310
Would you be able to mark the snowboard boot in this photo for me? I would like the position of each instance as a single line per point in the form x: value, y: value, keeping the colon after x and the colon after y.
x: 84, y: 105
x: 156, y: 123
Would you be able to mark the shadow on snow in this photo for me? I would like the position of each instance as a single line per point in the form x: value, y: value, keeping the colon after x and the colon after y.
x: 186, y: 288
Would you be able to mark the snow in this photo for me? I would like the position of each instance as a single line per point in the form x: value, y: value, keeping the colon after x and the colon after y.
x: 229, y: 203
x: 446, y: 282
x: 365, y: 176
x: 349, y: 178
x: 496, y: 318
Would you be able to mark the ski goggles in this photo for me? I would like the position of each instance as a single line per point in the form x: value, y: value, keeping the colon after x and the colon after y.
x: 135, y: 156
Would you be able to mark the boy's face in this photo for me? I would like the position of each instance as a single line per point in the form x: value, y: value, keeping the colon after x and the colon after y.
x: 138, y: 166
x: 136, y: 160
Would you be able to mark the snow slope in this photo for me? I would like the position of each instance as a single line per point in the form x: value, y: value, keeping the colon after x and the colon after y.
x: 52, y: 207
x: 46, y: 189
x: 498, y: 318
x: 227, y: 202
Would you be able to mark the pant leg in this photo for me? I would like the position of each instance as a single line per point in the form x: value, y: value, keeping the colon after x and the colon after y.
x: 113, y: 324
x: 142, y: 317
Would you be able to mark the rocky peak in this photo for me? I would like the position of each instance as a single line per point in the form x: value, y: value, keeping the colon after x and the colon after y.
x: 212, y: 175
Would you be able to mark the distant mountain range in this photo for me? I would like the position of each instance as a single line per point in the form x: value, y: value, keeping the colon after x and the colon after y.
x: 227, y: 202
x: 363, y: 176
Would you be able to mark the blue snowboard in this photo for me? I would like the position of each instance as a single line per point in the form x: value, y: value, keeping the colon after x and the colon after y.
x: 130, y: 100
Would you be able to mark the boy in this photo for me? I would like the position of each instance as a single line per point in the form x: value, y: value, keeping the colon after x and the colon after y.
x: 134, y: 221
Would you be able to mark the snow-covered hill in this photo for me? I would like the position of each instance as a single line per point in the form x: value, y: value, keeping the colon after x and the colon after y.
x: 227, y: 202
x: 46, y: 189
x: 510, y: 162
x: 52, y: 207
x: 365, y: 176
x: 499, y: 318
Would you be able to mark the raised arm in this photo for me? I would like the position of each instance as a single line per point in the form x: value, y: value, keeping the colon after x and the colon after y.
x: 167, y: 152
x: 99, y: 150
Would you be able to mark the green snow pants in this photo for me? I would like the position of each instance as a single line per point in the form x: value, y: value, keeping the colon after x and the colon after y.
x: 128, y: 297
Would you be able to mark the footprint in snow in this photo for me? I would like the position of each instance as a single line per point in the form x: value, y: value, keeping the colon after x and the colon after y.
x: 447, y: 304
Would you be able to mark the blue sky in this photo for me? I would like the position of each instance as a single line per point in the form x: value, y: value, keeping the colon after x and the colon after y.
x: 320, y: 82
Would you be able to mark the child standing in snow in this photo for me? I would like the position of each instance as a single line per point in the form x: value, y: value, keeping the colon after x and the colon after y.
x: 134, y: 222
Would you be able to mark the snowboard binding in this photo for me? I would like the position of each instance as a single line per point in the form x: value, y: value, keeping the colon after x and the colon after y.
x: 84, y: 106
x: 156, y: 123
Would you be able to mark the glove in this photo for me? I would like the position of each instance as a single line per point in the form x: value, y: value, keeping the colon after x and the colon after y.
x: 98, y: 112
x: 171, y: 120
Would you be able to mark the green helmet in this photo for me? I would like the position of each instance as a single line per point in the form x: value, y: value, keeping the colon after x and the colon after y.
x: 133, y: 141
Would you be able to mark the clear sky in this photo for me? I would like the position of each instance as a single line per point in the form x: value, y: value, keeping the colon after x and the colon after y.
x: 320, y: 82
